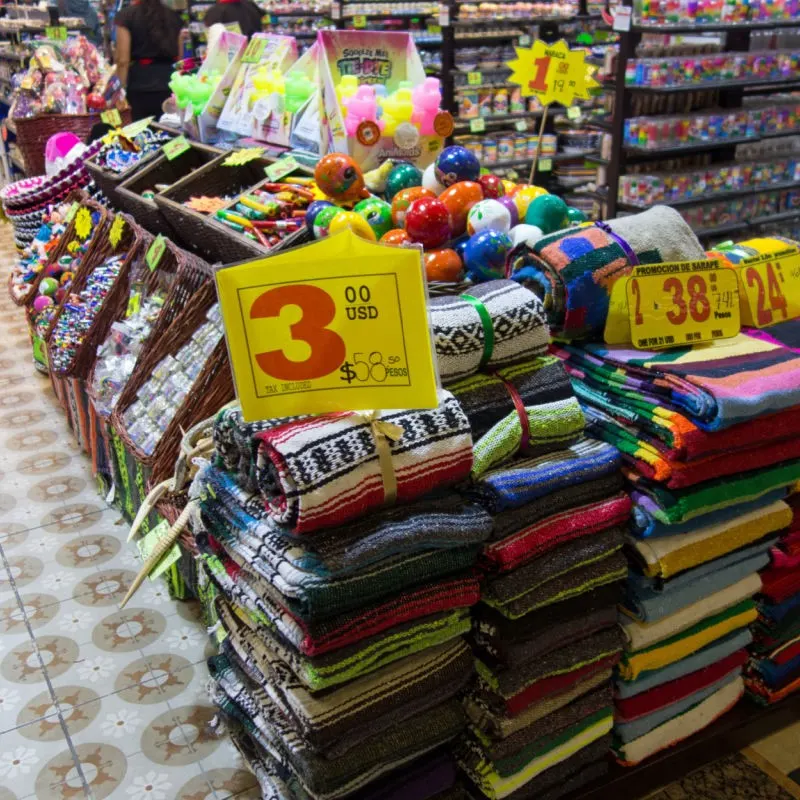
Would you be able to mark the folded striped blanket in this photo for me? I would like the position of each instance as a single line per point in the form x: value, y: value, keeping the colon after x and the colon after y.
x: 786, y: 334
x: 640, y: 635
x: 641, y: 705
x: 531, y: 540
x: 780, y: 584
x: 661, y: 654
x: 763, y: 695
x: 526, y: 479
x: 501, y: 642
x: 716, y: 385
x: 574, y: 270
x: 324, y: 471
x: 668, y: 555
x: 494, y: 405
x: 546, y: 753
x: 493, y: 325
x: 567, y: 571
x: 681, y: 727
x: 432, y: 777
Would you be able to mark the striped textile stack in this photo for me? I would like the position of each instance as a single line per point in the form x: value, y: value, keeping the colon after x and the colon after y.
x: 709, y: 440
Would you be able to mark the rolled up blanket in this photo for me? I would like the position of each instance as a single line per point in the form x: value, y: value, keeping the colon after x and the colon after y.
x: 323, y: 471
x: 574, y: 270
x: 528, y: 408
x: 493, y: 325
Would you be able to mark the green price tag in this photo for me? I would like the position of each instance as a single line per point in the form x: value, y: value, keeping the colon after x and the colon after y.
x: 474, y: 78
x: 281, y: 168
x: 573, y: 112
x: 57, y: 33
x: 155, y: 251
x: 477, y: 125
x: 135, y: 128
x: 545, y: 164
x: 173, y: 148
x: 112, y: 117
x: 434, y: 29
x: 521, y: 125
x: 148, y: 543
x: 359, y: 21
x: 254, y: 51
x: 73, y: 210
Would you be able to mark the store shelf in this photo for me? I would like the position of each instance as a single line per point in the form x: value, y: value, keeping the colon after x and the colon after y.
x: 712, y: 27
x: 389, y: 15
x: 487, y: 37
x: 781, y: 217
x: 711, y: 86
x: 297, y: 14
x: 469, y: 23
x: 701, y: 147
x: 462, y: 125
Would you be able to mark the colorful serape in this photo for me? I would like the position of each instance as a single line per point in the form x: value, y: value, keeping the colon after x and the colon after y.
x: 526, y: 479
x: 494, y: 405
x: 681, y: 727
x: 574, y: 269
x: 687, y: 642
x: 324, y: 471
x: 668, y: 555
x: 497, y: 323
x: 786, y: 334
x: 780, y: 584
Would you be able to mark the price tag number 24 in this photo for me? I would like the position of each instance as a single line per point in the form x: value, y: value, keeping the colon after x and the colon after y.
x: 770, y: 298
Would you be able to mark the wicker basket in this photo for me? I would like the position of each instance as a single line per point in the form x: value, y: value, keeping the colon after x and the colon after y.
x: 160, y: 171
x: 215, y: 242
x: 109, y: 182
x: 132, y: 242
x: 212, y: 388
x: 33, y: 133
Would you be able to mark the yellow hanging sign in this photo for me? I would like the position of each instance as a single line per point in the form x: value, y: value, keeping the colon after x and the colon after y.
x: 552, y: 72
x: 115, y: 232
x: 83, y: 223
x: 347, y: 331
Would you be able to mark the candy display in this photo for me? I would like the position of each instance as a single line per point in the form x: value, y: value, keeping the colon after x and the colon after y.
x: 712, y: 11
x: 121, y: 154
x: 157, y: 401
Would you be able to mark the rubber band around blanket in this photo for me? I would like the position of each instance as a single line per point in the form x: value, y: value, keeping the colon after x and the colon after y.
x: 629, y: 251
x: 488, y: 329
x: 522, y: 412
x: 383, y: 432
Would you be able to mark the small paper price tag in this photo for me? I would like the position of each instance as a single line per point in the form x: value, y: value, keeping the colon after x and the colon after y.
x: 116, y: 230
x: 112, y: 117
x: 336, y: 11
x: 477, y: 125
x: 359, y: 21
x: 135, y: 128
x: 545, y: 164
x: 281, y: 168
x: 156, y: 251
x: 521, y: 125
x: 524, y: 40
x: 622, y: 18
x: 254, y: 51
x: 434, y: 29
x: 239, y: 157
x: 444, y: 15
x: 58, y: 33
x: 83, y: 223
x: 70, y: 215
x: 474, y: 78
x: 769, y: 287
x: 574, y: 112
x: 148, y: 543
x: 173, y: 148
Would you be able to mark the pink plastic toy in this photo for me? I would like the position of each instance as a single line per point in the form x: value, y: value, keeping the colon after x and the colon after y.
x: 426, y: 98
x: 362, y: 106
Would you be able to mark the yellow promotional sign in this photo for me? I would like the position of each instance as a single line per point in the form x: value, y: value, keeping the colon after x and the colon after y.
x: 338, y: 325
x: 682, y: 303
x: 769, y: 287
x: 552, y: 72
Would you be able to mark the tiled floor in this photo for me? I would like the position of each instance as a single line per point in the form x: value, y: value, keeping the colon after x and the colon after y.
x: 94, y: 702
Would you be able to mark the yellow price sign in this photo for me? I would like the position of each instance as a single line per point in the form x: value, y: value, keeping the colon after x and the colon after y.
x: 239, y: 157
x: 769, y: 287
x: 552, y: 72
x: 474, y: 78
x: 359, y: 21
x: 682, y: 303
x: 83, y: 223
x: 135, y: 128
x: 116, y: 231
x: 348, y: 330
x: 112, y: 117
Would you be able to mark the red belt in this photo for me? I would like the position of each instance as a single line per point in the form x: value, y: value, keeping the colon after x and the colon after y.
x: 146, y: 61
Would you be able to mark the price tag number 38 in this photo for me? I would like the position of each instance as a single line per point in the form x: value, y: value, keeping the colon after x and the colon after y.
x: 696, y: 305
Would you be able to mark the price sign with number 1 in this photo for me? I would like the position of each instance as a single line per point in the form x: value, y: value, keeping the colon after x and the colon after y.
x: 770, y: 287
x: 347, y: 331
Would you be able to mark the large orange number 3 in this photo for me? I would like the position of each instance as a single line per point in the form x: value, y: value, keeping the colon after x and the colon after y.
x: 327, y: 347
x: 675, y: 286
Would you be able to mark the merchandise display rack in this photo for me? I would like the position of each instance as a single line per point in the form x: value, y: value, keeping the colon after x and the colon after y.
x: 730, y: 95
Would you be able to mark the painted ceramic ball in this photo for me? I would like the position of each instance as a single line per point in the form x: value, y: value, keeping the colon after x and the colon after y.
x: 355, y: 222
x: 313, y: 209
x: 524, y: 196
x: 529, y: 234
x: 377, y: 213
x: 396, y: 236
x: 492, y: 186
x: 460, y: 245
x: 41, y: 303
x: 428, y: 222
x: 340, y: 178
x: 443, y: 264
x: 485, y: 255
x: 48, y: 286
x: 429, y: 180
x: 403, y: 199
x: 547, y: 212
x: 459, y: 199
x: 403, y: 176
x: 488, y: 215
x: 510, y: 203
x: 456, y: 164
x: 575, y: 216
x: 323, y: 220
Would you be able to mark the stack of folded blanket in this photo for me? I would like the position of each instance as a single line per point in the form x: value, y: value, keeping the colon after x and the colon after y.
x: 709, y: 439
x: 341, y: 617
x: 773, y: 671
x: 545, y: 634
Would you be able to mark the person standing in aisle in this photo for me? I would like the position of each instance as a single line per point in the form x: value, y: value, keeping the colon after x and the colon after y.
x: 244, y: 12
x: 148, y: 44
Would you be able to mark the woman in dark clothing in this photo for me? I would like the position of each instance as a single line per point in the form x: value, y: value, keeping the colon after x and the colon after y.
x: 245, y: 12
x: 148, y: 44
